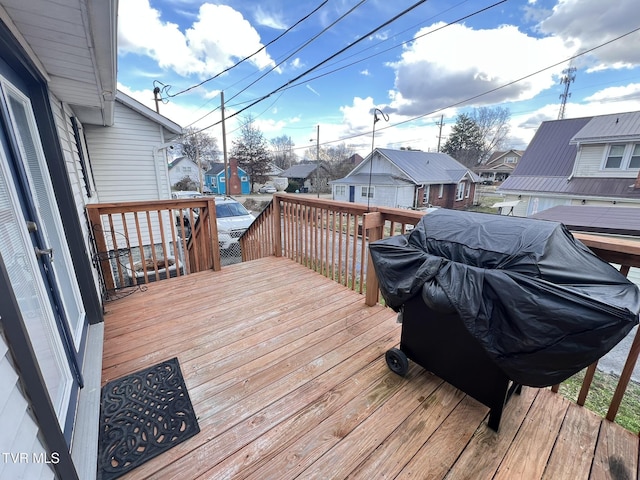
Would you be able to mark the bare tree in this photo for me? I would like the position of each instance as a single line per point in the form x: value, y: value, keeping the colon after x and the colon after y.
x: 251, y: 151
x: 493, y: 124
x: 200, y: 147
x: 283, y: 155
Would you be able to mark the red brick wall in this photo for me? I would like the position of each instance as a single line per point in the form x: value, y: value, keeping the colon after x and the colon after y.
x: 448, y: 199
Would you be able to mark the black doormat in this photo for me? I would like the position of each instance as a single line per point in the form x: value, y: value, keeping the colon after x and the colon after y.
x: 141, y: 416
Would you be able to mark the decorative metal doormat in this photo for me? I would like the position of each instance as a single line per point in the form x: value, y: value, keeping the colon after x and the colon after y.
x: 141, y: 416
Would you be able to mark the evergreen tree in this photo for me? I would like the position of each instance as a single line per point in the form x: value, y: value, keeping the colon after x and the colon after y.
x: 252, y: 152
x: 465, y: 143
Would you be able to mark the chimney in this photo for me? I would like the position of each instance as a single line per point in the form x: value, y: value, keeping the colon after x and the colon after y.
x: 235, y: 184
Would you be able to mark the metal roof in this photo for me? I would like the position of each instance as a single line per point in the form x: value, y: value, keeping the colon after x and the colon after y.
x: 549, y: 154
x: 376, y: 179
x: 302, y: 170
x: 583, y: 186
x: 612, y: 220
x: 423, y: 167
x: 617, y: 127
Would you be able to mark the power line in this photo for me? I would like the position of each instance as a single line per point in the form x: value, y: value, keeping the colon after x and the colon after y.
x: 474, y: 97
x: 363, y: 59
x: 254, y: 53
x: 306, y: 72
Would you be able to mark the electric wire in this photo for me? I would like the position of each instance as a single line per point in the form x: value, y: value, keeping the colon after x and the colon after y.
x: 254, y: 53
x: 306, y: 72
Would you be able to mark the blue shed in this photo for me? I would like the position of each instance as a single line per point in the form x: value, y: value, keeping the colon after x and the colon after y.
x: 215, y: 182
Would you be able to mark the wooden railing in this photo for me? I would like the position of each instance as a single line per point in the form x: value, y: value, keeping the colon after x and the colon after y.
x: 332, y: 237
x: 140, y: 242
x: 327, y: 236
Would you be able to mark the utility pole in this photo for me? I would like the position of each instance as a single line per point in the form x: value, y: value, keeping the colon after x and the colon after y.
x: 569, y: 76
x: 440, y: 132
x: 318, y: 161
x: 224, y: 146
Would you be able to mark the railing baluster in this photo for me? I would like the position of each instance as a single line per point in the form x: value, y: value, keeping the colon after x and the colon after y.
x: 134, y: 279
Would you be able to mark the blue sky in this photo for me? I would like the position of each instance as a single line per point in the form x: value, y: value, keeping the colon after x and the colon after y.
x: 439, y: 59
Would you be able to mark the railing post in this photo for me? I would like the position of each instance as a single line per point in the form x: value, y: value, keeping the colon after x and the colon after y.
x: 373, y: 225
x: 213, y: 230
x: 277, y: 226
x: 97, y: 232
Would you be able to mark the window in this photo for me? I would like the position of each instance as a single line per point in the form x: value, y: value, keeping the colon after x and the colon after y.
x: 510, y: 160
x: 635, y: 157
x: 341, y: 190
x: 367, y: 192
x: 244, y: 179
x: 614, y: 158
x: 441, y: 191
x: 460, y: 190
x: 468, y: 190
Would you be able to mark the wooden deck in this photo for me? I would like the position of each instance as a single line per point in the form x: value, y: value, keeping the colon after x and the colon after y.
x: 287, y: 375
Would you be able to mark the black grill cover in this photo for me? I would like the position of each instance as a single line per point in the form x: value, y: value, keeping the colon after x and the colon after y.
x: 540, y: 303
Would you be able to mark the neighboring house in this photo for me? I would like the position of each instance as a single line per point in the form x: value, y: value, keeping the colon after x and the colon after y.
x: 137, y: 169
x: 582, y: 161
x: 182, y: 168
x: 307, y: 177
x: 408, y: 179
x: 65, y: 131
x: 499, y: 166
x: 215, y: 181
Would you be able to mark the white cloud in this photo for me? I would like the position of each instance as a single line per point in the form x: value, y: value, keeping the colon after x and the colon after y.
x: 457, y: 63
x: 296, y: 63
x: 589, y: 23
x: 218, y: 39
x: 310, y: 88
x: 269, y: 19
x: 618, y: 94
x: 365, y: 72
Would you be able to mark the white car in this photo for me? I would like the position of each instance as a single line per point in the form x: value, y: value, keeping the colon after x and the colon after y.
x: 267, y: 189
x: 232, y: 219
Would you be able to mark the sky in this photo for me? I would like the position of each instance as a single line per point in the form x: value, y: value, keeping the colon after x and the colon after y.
x: 316, y: 71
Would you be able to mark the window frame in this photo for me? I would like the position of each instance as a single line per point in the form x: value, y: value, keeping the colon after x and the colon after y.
x: 628, y: 150
x: 460, y: 188
x: 371, y: 191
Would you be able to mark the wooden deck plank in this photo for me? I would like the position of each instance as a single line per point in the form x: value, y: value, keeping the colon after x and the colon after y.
x: 405, y: 441
x: 573, y: 452
x: 530, y: 451
x: 322, y: 448
x: 484, y: 453
x: 616, y: 456
x: 286, y: 372
x: 439, y: 453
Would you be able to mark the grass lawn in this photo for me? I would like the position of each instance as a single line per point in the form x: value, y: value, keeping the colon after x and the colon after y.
x: 600, y: 395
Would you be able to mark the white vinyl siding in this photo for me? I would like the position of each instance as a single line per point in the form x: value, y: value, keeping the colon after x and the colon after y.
x: 590, y: 163
x: 19, y: 432
x: 125, y: 163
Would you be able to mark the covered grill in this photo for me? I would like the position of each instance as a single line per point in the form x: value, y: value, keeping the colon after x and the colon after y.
x: 491, y: 302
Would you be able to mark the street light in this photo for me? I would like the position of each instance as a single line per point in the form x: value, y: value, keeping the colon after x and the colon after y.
x: 373, y: 138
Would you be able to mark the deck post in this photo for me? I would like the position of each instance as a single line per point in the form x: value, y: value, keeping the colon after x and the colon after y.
x: 213, y: 230
x: 277, y: 226
x: 373, y: 228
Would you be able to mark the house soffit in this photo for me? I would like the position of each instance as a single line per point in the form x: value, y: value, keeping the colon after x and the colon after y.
x: 75, y: 42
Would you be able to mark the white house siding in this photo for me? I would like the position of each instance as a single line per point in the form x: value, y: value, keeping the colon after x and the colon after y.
x: 23, y: 455
x: 185, y: 168
x: 126, y: 164
x: 589, y: 163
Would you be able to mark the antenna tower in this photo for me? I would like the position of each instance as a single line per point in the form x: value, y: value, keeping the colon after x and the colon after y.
x: 569, y: 75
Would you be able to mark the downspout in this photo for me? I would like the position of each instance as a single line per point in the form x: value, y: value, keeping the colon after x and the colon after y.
x: 575, y: 162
